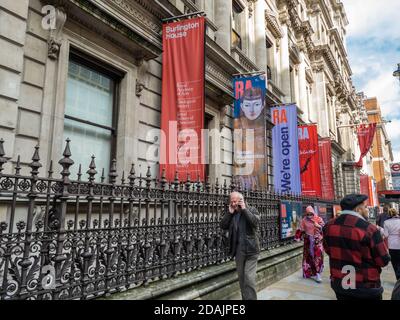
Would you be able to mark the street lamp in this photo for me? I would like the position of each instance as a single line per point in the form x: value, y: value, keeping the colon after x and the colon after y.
x: 397, y: 72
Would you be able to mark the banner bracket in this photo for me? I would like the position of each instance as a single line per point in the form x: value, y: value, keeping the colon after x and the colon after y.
x: 248, y: 73
x: 184, y: 16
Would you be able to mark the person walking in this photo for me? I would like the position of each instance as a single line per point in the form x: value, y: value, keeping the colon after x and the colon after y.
x: 381, y: 218
x: 356, y: 252
x: 311, y: 232
x: 242, y: 223
x: 392, y: 233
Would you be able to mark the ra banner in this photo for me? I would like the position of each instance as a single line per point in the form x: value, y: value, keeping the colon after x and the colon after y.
x: 322, y: 211
x: 290, y: 218
x: 250, y: 167
x: 182, y: 111
x: 285, y: 149
x: 309, y: 161
x: 365, y: 136
x: 325, y: 160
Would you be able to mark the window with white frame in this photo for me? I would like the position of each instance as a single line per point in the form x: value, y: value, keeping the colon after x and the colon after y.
x: 90, y: 112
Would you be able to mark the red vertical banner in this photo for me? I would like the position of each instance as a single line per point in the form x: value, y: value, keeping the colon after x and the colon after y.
x: 309, y: 161
x: 370, y: 192
x: 365, y: 136
x: 364, y: 184
x: 182, y: 105
x: 325, y: 160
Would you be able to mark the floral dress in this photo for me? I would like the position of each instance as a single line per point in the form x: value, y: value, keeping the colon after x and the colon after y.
x: 313, y: 256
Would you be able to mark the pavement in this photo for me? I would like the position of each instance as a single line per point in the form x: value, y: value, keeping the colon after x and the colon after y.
x: 295, y: 287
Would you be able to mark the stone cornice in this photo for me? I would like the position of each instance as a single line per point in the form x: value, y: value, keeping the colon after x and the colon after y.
x: 325, y: 13
x: 309, y: 75
x: 339, y: 7
x: 338, y: 147
x: 244, y: 61
x: 273, y: 24
x: 109, y: 19
x: 325, y: 52
x: 335, y: 33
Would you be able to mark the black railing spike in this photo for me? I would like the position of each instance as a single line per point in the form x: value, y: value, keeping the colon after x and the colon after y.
x: 35, y: 164
x: 3, y: 160
x: 148, y: 173
x: 188, y: 182
x: 67, y: 150
x: 102, y: 178
x: 66, y: 162
x: 92, y: 169
x: 208, y: 185
x: 50, y: 172
x: 18, y: 166
x: 112, y: 176
x: 79, y: 174
x: 163, y: 179
x: 132, y: 175
x: 2, y: 153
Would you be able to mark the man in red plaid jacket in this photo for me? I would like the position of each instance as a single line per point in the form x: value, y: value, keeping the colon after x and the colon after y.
x: 356, y: 252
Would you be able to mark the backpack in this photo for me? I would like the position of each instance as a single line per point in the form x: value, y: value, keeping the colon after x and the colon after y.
x: 396, y: 291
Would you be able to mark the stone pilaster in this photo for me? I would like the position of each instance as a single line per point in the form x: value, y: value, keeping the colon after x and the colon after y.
x: 285, y: 65
x: 320, y: 103
x: 223, y: 12
x: 260, y: 35
x: 13, y: 26
x: 303, y: 87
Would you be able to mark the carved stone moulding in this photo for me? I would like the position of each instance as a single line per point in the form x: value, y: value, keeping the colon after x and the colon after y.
x: 137, y: 35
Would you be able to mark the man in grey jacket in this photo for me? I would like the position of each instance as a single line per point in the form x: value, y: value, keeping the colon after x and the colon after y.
x: 242, y: 222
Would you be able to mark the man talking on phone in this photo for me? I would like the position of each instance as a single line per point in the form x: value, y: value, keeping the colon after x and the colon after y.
x: 242, y: 222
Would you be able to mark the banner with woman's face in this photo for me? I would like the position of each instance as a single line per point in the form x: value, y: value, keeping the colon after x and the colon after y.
x: 250, y: 167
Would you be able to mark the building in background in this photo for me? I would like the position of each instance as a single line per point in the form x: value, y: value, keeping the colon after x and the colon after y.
x: 96, y: 77
x: 367, y: 179
x: 382, y: 155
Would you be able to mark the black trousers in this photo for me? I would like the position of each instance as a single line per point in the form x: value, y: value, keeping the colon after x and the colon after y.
x: 350, y: 297
x: 395, y: 258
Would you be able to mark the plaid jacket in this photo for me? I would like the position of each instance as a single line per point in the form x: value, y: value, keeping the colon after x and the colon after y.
x: 351, y: 240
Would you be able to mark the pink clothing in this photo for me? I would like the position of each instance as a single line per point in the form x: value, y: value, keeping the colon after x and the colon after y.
x: 308, y: 224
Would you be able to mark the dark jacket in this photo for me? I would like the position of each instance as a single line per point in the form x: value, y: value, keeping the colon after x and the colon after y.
x: 396, y: 291
x: 244, y: 238
x: 350, y: 240
x: 380, y: 220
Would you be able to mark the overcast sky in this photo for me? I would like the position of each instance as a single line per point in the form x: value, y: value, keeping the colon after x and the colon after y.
x: 373, y: 45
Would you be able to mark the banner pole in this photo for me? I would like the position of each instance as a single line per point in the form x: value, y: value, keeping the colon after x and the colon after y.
x: 248, y: 73
x: 202, y: 13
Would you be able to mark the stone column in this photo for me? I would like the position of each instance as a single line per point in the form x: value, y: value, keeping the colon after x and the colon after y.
x: 260, y: 36
x: 320, y: 104
x: 13, y: 23
x: 303, y: 87
x: 285, y: 65
x: 223, y: 13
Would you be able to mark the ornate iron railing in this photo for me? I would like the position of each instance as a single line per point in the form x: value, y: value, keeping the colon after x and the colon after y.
x: 63, y: 239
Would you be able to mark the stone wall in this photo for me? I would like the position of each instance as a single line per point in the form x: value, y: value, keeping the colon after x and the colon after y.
x: 219, y: 282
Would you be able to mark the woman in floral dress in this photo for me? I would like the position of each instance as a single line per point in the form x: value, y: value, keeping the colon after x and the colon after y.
x: 311, y: 232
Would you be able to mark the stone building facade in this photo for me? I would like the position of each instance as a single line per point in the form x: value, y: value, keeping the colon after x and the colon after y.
x: 93, y: 74
x: 381, y: 151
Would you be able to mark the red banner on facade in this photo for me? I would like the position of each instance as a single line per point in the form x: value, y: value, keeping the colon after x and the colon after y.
x: 325, y: 160
x: 364, y: 185
x: 365, y: 138
x: 309, y: 161
x: 182, y: 111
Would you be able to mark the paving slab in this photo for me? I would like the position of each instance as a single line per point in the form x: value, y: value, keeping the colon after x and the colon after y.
x: 295, y: 287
